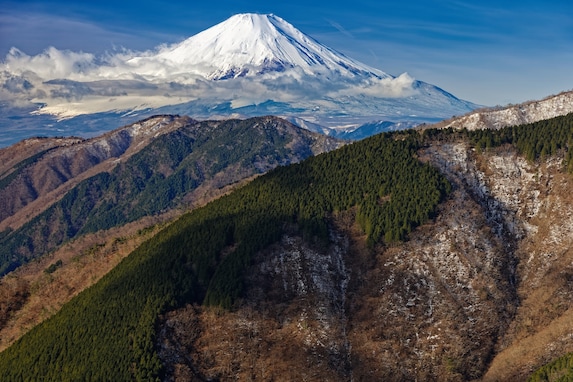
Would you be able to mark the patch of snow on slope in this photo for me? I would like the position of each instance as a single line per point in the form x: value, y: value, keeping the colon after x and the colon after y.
x: 512, y: 115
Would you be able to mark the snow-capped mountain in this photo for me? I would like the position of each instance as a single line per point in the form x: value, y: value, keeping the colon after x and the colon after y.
x: 248, y: 65
x: 252, y: 44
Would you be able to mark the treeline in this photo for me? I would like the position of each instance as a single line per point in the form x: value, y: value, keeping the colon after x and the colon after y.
x: 560, y: 370
x: 107, y: 332
x: 152, y: 181
x: 535, y: 141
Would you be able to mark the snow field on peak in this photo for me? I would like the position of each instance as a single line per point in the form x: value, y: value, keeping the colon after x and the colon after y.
x: 251, y: 41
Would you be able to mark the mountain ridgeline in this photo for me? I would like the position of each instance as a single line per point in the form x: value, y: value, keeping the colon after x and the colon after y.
x: 535, y: 141
x: 163, y: 174
x: 419, y: 264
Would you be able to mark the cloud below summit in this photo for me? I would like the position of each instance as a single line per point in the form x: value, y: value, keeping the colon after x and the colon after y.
x: 71, y: 83
x: 250, y: 64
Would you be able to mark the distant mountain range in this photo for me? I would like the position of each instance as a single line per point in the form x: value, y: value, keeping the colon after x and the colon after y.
x: 248, y: 65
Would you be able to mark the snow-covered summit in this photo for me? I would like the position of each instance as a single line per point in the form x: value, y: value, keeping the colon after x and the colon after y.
x: 248, y: 65
x: 248, y: 44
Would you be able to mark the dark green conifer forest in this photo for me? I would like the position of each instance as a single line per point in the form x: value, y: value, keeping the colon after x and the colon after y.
x: 107, y: 332
x: 559, y: 370
x: 534, y: 141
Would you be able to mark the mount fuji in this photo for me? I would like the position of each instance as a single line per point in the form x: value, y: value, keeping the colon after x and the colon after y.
x: 248, y: 65
x: 251, y: 45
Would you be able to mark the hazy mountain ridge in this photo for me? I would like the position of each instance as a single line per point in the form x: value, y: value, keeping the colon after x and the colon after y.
x: 47, y: 164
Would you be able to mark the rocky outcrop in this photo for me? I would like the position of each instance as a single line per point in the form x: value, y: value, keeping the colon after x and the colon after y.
x: 433, y: 307
x: 513, y: 115
x: 528, y: 206
x: 291, y: 326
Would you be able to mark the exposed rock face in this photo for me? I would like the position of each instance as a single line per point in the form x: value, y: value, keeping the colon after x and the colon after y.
x: 483, y: 292
x: 292, y: 326
x: 513, y: 115
x: 541, y: 329
x: 433, y: 307
x: 529, y: 207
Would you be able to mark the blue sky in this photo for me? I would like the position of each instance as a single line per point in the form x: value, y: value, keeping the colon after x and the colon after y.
x: 488, y: 52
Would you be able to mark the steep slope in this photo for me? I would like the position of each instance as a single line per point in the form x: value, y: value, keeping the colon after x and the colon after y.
x: 115, y: 179
x: 418, y: 310
x: 530, y: 203
x: 480, y: 293
x: 202, y: 257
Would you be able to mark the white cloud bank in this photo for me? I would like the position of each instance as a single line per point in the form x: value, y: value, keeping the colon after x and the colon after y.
x: 73, y: 83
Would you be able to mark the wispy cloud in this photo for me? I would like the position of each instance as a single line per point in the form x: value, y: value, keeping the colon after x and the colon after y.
x: 401, y: 86
x: 340, y: 28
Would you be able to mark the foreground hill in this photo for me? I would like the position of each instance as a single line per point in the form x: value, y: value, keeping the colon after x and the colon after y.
x: 436, y: 255
x: 202, y: 257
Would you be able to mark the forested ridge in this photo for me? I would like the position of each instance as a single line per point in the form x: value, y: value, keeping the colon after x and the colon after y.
x: 155, y: 179
x: 108, y: 331
x: 534, y: 141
